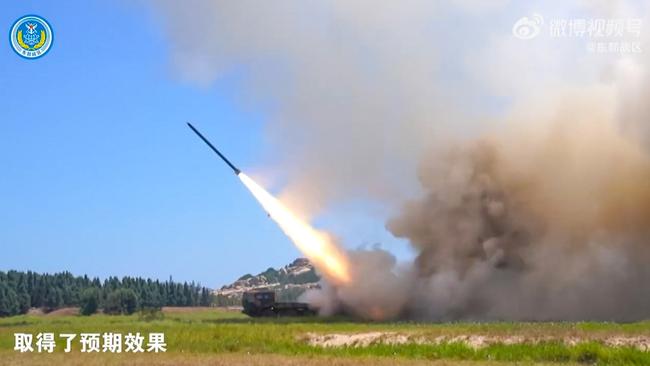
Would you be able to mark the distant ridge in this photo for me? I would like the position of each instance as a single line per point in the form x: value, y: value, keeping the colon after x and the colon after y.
x: 288, y: 282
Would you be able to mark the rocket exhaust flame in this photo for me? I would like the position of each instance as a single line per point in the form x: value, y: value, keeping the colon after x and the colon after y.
x: 316, y: 245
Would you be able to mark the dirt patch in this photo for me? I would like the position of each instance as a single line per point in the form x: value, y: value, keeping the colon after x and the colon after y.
x: 57, y: 312
x: 356, y: 340
x: 232, y: 359
x: 474, y: 341
x: 198, y: 309
x: 63, y: 312
x: 641, y: 343
x: 185, y: 309
x: 35, y: 311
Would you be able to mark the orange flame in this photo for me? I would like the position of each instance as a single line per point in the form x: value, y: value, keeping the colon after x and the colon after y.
x: 314, y: 244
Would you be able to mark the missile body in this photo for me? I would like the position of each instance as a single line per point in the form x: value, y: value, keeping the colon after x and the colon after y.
x: 234, y: 169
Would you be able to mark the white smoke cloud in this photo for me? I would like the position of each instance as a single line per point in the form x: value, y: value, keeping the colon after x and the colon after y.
x: 531, y: 156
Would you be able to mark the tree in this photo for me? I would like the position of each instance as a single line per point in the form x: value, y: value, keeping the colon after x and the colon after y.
x: 21, y: 290
x: 53, y: 298
x: 22, y: 293
x: 23, y: 303
x: 89, y: 301
x: 8, y: 300
x: 206, y: 297
x: 121, y: 301
x: 151, y: 299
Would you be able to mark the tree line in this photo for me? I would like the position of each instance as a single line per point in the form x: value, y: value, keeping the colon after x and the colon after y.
x: 20, y: 291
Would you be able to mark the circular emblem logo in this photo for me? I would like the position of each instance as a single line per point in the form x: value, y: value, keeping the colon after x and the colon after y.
x: 528, y: 28
x: 31, y: 36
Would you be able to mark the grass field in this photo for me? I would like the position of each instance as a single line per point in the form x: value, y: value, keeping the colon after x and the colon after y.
x: 220, y: 337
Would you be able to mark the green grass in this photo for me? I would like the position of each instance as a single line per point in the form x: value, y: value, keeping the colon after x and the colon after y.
x: 214, y: 332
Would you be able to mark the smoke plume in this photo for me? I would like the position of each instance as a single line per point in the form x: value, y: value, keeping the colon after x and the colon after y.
x: 554, y: 226
x: 519, y: 171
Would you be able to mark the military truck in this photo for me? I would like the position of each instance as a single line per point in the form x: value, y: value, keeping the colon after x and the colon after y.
x: 259, y: 303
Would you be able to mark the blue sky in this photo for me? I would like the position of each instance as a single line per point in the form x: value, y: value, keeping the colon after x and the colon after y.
x: 100, y: 175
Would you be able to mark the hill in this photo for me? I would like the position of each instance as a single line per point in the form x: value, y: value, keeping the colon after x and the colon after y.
x: 288, y: 282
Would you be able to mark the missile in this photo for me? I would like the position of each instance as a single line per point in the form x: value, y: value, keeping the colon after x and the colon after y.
x: 234, y: 169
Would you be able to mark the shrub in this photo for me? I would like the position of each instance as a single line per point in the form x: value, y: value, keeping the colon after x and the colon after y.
x: 150, y: 314
x: 122, y: 301
x: 89, y: 301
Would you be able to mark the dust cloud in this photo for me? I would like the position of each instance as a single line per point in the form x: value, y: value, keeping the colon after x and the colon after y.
x: 519, y: 171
